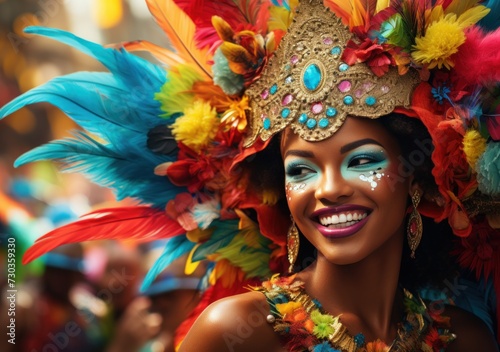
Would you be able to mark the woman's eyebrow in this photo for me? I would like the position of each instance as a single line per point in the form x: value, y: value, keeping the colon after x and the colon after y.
x: 355, y: 144
x: 298, y: 152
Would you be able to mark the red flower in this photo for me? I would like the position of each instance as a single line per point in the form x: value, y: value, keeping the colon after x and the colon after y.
x: 377, y: 56
x: 481, y: 250
x: 192, y: 170
x: 433, y: 339
x: 451, y: 170
x: 446, y: 90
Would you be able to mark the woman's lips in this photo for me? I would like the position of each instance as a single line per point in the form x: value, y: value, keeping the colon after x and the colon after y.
x: 341, y: 221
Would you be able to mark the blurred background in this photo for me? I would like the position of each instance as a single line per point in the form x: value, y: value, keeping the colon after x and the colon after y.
x: 79, y: 298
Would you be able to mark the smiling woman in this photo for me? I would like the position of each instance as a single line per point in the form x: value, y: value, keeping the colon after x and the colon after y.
x: 346, y: 137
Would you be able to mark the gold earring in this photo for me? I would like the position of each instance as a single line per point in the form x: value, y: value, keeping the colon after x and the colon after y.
x: 292, y: 243
x: 414, y: 228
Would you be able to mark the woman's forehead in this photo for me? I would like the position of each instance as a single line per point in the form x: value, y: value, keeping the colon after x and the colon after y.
x: 354, y: 128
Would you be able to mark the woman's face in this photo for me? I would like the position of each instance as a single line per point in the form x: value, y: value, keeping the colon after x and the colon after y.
x: 345, y: 193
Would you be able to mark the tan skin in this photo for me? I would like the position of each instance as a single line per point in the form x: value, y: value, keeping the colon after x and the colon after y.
x: 357, y: 275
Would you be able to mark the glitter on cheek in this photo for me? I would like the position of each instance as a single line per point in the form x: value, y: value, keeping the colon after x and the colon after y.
x: 373, y: 178
x: 293, y: 187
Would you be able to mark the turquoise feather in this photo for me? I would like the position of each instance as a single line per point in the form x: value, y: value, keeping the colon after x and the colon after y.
x: 174, y: 249
x: 116, y: 106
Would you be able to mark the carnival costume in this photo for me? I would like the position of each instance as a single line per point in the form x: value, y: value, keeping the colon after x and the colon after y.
x: 181, y: 137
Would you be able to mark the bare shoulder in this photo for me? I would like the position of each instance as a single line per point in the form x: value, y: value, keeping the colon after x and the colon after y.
x: 236, y: 323
x: 472, y: 333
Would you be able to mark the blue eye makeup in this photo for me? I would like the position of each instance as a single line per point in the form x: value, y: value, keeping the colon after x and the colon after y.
x: 364, y: 160
x: 299, y: 170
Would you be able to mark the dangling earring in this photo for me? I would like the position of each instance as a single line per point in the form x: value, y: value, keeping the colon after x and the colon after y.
x: 292, y: 243
x: 414, y: 229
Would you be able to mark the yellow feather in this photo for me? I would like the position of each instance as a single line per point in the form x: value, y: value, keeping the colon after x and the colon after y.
x: 381, y: 5
x: 223, y: 29
x: 473, y: 15
x: 180, y: 29
x: 239, y: 58
x: 190, y: 265
x: 460, y: 6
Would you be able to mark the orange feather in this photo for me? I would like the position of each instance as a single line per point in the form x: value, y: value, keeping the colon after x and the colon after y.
x: 162, y: 54
x: 180, y: 29
x: 140, y: 223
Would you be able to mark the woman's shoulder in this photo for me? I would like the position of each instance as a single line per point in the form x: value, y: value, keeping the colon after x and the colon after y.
x: 471, y: 332
x: 235, y: 323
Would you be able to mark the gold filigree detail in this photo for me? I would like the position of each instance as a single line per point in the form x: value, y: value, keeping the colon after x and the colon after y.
x: 280, y: 98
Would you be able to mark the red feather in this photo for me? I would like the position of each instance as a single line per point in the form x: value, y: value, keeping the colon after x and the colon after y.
x: 479, y: 47
x: 248, y: 14
x: 137, y: 222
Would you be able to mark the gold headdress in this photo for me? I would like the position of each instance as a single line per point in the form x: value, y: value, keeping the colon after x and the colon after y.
x: 307, y: 86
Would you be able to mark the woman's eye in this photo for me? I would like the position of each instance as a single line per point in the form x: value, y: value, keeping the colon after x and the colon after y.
x: 298, y: 171
x: 361, y: 161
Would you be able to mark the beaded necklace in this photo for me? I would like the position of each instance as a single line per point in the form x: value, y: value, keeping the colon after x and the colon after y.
x: 304, y: 326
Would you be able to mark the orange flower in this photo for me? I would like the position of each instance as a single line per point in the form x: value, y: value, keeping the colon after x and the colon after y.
x: 377, y: 346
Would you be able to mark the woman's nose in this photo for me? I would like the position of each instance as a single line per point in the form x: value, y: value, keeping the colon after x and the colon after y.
x: 333, y: 187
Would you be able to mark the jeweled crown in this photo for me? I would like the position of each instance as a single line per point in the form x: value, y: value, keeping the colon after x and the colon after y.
x: 308, y: 87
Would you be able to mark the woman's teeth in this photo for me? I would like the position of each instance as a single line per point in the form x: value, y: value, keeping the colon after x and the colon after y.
x: 342, y: 220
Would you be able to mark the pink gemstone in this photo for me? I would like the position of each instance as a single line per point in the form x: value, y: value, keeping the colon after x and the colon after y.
x: 359, y: 93
x: 263, y: 116
x: 265, y: 94
x: 344, y: 86
x: 294, y: 59
x: 287, y: 99
x: 385, y: 89
x: 413, y: 228
x: 328, y: 41
x: 368, y: 86
x: 317, y: 108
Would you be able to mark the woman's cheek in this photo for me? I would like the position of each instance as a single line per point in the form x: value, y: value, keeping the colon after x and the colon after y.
x: 293, y: 189
x: 369, y: 177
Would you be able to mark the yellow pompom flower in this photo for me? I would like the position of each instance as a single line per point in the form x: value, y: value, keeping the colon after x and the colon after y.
x: 197, y: 127
x: 445, y: 35
x: 474, y: 146
x: 441, y: 40
x: 288, y: 308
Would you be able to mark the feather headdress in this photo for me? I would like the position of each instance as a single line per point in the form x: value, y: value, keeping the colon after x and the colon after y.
x: 173, y: 137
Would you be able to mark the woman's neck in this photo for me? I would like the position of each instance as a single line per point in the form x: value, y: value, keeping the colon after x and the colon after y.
x: 365, y: 293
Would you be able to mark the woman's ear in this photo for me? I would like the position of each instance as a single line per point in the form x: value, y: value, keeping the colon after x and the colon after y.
x: 414, y: 186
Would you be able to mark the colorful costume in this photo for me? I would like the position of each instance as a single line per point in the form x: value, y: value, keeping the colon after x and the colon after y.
x: 303, y: 326
x: 182, y: 137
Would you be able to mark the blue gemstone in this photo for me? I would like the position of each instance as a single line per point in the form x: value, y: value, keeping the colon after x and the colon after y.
x: 303, y: 118
x: 312, y: 77
x: 348, y: 100
x: 285, y: 113
x: 343, y: 67
x: 370, y: 100
x: 323, y: 123
x: 331, y: 112
x: 273, y: 89
x: 335, y: 51
x: 311, y: 123
x: 267, y: 123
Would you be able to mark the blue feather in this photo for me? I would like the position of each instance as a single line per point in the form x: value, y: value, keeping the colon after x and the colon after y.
x: 492, y: 20
x: 118, y: 107
x: 175, y: 248
x: 127, y: 168
x: 93, y: 100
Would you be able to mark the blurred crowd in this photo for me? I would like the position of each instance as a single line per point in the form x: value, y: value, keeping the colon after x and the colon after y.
x: 77, y: 297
